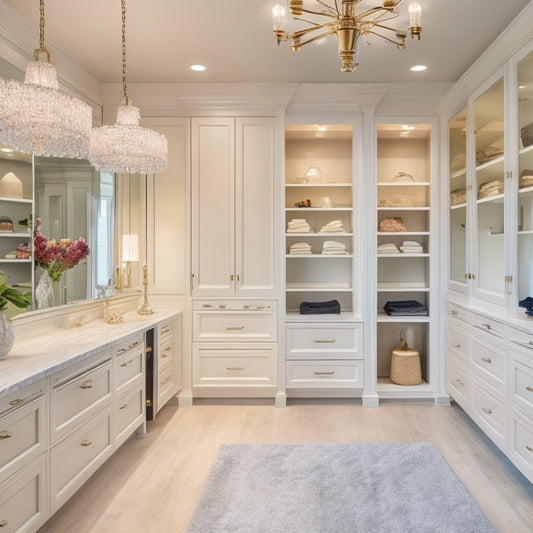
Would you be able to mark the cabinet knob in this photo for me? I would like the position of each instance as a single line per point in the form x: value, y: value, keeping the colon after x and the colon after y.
x: 457, y: 346
x: 87, y: 384
x: 486, y: 360
x: 3, y: 523
x: 529, y: 389
x: 488, y: 411
x: 529, y: 449
x: 85, y: 442
x: 5, y: 435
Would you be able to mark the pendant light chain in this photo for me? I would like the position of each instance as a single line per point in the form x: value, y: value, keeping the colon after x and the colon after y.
x: 42, y: 49
x: 124, y: 83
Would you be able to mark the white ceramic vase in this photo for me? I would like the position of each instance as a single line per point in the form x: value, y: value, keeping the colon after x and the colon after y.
x: 44, y: 291
x: 7, y: 335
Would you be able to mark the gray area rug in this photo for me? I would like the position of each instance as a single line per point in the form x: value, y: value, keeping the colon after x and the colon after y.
x: 328, y: 487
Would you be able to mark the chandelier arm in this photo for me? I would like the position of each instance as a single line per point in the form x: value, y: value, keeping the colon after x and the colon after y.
x: 328, y: 7
x: 399, y: 43
x: 388, y: 28
x: 298, y: 34
x: 337, y: 8
x: 320, y: 13
x: 124, y: 81
x: 324, y: 34
x: 375, y: 10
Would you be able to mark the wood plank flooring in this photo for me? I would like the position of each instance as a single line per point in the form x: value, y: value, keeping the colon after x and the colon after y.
x: 153, y: 482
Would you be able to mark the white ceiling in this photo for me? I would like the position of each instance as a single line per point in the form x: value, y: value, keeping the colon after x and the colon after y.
x: 234, y: 40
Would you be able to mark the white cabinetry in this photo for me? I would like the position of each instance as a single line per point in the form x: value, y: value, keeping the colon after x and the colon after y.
x: 167, y: 371
x: 233, y: 207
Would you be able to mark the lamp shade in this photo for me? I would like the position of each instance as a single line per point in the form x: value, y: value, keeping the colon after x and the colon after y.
x: 130, y: 247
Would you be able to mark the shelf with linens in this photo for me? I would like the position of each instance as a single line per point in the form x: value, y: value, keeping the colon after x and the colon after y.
x: 404, y: 218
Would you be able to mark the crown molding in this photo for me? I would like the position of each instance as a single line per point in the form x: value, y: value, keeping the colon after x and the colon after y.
x: 18, y: 40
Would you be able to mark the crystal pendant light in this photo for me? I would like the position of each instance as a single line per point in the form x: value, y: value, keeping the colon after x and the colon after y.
x: 126, y: 146
x: 37, y: 117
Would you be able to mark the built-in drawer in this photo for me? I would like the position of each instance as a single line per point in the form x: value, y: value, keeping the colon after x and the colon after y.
x: 135, y: 342
x: 521, y: 340
x: 235, y: 365
x: 164, y: 354
x: 72, y: 371
x: 20, y: 397
x: 23, y: 502
x: 459, y: 383
x: 488, y: 325
x: 233, y: 325
x: 78, y: 397
x: 490, y: 413
x: 165, y: 331
x: 457, y: 341
x: 129, y: 367
x: 521, y: 382
x: 166, y: 385
x: 490, y: 362
x: 129, y: 413
x: 234, y: 305
x: 77, y: 456
x: 324, y: 374
x: 459, y: 313
x: 23, y: 435
x: 324, y: 341
x: 521, y: 445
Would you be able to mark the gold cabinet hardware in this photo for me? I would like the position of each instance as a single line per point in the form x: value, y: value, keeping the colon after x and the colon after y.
x: 148, y: 349
x: 3, y: 523
x: 453, y: 312
x: 231, y: 278
x: 486, y: 326
x: 467, y: 276
x: 85, y: 442
x: 330, y: 373
x: 509, y: 279
x: 167, y: 330
x: 148, y: 403
x: 15, y: 402
x: 133, y: 344
x: 328, y: 341
x: 122, y: 350
x: 191, y: 277
x: 127, y: 363
x: 460, y: 382
x: 87, y: 384
x: 123, y: 406
x: 488, y: 411
x: 529, y: 389
x: 166, y: 380
x: 5, y: 435
x: 234, y: 368
x: 473, y: 276
x: 486, y: 360
x: 529, y: 448
x: 457, y: 346
x: 234, y: 328
x: 238, y: 278
x: 207, y: 305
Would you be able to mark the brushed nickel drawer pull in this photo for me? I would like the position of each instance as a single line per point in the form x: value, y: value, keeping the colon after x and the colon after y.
x: 3, y: 523
x: 234, y: 368
x: 529, y: 448
x: 329, y: 341
x: 234, y: 328
x: 85, y: 442
x: 529, y: 389
x: 126, y: 363
x: 5, y: 435
x: 325, y: 373
x: 123, y: 406
x: 488, y: 411
x: 87, y: 384
x: 486, y: 360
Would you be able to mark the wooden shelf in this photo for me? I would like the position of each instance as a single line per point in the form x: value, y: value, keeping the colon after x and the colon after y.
x: 497, y: 199
x: 15, y: 200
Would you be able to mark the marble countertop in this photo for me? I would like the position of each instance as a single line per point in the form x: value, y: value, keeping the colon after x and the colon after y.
x: 37, y: 357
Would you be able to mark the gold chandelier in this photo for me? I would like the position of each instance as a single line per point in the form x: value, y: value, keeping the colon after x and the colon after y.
x: 347, y: 25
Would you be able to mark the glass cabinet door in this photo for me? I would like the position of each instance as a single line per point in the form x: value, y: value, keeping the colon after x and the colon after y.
x: 489, y: 271
x: 458, y: 267
x: 525, y: 183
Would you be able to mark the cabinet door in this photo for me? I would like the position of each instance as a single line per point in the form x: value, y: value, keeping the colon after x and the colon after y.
x: 490, y: 267
x: 213, y: 172
x: 254, y: 202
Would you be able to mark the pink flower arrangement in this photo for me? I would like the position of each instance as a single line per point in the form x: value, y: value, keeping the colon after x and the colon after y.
x: 57, y: 256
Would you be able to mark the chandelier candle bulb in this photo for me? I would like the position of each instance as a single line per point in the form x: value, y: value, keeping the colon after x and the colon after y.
x: 415, y: 13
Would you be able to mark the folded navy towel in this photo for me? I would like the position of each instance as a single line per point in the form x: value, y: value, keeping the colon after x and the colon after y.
x: 527, y: 303
x: 332, y: 307
x: 405, y: 307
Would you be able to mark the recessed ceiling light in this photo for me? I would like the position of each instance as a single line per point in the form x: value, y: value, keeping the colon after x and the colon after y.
x: 521, y: 86
x: 406, y: 127
x: 322, y: 128
x: 198, y: 68
x: 418, y: 68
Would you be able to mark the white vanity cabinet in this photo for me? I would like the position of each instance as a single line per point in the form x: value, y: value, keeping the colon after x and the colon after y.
x: 232, y: 207
x: 234, y: 348
x: 167, y: 370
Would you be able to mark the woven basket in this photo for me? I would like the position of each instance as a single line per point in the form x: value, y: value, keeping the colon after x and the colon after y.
x: 405, y: 367
x: 10, y: 186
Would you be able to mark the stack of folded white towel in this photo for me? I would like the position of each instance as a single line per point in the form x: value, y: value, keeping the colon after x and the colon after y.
x: 333, y: 248
x: 411, y: 247
x: 388, y: 248
x: 300, y: 248
x: 298, y: 225
x: 335, y: 226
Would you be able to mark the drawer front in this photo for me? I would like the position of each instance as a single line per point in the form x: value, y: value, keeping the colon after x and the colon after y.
x: 457, y: 341
x: 23, y: 436
x: 129, y: 413
x: 129, y: 367
x: 459, y: 383
x: 231, y: 325
x: 239, y: 365
x: 234, y: 305
x: 165, y: 331
x: 164, y: 354
x: 75, y: 458
x: 167, y: 385
x: 521, y: 448
x: 78, y: 397
x: 23, y: 500
x: 491, y: 358
x: 21, y: 397
x: 75, y: 370
x: 458, y: 313
x: 522, y: 341
x: 521, y: 382
x: 324, y: 374
x: 325, y: 342
x: 135, y: 342
x: 487, y: 325
x: 490, y: 414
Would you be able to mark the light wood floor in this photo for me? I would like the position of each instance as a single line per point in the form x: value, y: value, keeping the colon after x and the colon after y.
x: 153, y: 482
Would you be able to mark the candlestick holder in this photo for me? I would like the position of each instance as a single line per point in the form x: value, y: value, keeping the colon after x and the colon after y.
x: 145, y: 308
